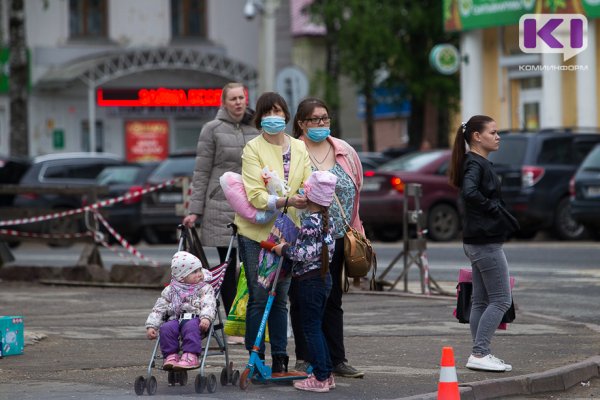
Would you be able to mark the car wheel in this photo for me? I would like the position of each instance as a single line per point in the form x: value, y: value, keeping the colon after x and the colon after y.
x: 388, y: 233
x: 565, y: 227
x: 443, y: 223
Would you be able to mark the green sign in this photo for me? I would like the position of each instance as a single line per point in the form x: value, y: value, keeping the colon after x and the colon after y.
x: 445, y: 59
x: 4, y: 69
x: 58, y: 139
x: 462, y: 15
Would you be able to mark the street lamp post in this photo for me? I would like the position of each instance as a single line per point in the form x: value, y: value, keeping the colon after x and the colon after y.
x: 268, y: 8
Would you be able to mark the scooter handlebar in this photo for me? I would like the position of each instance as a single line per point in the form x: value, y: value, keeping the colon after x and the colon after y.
x: 267, y: 245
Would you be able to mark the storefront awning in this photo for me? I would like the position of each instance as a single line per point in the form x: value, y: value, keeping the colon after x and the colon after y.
x: 104, y: 68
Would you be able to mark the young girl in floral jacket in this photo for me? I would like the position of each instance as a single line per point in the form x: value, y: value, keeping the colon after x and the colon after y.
x: 311, y: 254
x: 185, y: 308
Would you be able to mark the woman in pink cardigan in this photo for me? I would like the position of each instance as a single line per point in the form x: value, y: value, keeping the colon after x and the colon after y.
x: 311, y: 124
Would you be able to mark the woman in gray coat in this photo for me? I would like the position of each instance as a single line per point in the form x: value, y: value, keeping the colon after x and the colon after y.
x: 220, y: 150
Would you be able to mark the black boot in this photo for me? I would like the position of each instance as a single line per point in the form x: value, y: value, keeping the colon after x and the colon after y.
x: 280, y: 364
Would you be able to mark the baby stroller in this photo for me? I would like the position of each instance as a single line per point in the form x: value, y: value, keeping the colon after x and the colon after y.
x: 190, y: 242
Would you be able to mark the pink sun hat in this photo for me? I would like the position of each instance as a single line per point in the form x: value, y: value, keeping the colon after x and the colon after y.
x: 183, y: 264
x: 320, y: 187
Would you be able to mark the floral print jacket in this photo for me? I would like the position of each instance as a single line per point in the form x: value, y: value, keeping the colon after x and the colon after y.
x: 204, y: 304
x: 306, y: 251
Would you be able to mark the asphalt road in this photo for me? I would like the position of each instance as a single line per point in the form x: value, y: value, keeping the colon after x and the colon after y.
x: 553, y: 278
x: 557, y: 284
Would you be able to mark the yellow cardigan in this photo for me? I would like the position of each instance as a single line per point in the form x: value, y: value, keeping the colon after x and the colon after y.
x: 257, y: 154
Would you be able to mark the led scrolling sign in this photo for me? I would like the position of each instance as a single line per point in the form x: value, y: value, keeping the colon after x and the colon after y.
x: 159, y: 97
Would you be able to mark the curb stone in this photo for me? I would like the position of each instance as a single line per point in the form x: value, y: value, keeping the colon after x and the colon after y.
x: 553, y: 380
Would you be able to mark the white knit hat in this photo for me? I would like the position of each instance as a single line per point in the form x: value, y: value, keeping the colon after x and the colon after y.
x: 183, y: 264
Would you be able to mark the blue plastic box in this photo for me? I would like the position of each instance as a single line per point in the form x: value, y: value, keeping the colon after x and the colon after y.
x: 11, y: 335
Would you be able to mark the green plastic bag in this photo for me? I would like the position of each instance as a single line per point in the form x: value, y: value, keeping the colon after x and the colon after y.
x: 235, y: 325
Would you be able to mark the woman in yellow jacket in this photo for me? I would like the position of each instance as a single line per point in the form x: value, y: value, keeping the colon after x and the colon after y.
x: 288, y: 158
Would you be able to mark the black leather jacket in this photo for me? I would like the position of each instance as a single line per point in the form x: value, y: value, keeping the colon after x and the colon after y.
x: 485, y: 218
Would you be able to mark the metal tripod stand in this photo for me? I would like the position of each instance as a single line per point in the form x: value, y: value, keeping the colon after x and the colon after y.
x: 415, y: 246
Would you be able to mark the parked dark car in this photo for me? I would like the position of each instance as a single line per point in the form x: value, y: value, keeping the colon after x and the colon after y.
x: 158, y: 212
x: 12, y: 170
x: 60, y: 170
x: 372, y: 160
x: 125, y: 216
x: 585, y: 193
x: 535, y: 168
x: 382, y: 196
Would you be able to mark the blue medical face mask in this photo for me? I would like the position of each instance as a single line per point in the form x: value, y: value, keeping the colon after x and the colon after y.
x: 272, y: 124
x: 318, y: 134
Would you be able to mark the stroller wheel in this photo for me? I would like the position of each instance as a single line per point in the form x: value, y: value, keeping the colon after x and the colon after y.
x: 235, y: 377
x: 139, y: 385
x: 212, y: 383
x: 200, y: 384
x: 245, y: 379
x: 224, y: 380
x: 182, y: 378
x: 171, y: 378
x: 151, y: 386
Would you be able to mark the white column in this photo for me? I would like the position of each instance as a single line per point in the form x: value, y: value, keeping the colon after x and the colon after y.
x: 92, y: 116
x: 587, y: 98
x: 267, y: 61
x: 551, y: 107
x: 471, y: 73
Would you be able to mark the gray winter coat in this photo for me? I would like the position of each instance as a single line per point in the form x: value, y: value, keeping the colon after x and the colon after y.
x: 219, y: 150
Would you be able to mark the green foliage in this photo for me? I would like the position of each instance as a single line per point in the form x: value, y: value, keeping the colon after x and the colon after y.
x: 395, y: 36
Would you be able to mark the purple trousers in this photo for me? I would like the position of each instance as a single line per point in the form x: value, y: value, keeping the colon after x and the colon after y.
x: 189, y: 330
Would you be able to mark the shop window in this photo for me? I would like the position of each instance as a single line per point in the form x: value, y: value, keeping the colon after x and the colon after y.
x: 510, y: 40
x: 186, y: 135
x: 85, y: 136
x: 188, y: 18
x: 87, y: 18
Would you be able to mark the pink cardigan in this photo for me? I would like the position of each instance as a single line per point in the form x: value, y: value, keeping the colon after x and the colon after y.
x: 346, y: 156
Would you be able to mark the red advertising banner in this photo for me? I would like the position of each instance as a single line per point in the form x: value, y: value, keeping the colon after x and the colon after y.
x: 146, y: 140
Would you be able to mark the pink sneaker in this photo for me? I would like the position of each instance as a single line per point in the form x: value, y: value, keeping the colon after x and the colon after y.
x: 187, y: 361
x: 331, y: 382
x: 170, y: 361
x: 312, y: 384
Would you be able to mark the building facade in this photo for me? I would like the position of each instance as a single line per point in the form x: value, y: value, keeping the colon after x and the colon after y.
x: 148, y: 72
x: 526, y: 90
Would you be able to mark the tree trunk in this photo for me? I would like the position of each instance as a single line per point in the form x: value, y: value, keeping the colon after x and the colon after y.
x: 332, y: 77
x: 19, y: 136
x: 369, y: 94
x: 415, y: 122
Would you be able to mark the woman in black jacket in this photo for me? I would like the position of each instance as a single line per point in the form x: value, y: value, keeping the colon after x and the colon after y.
x: 486, y: 225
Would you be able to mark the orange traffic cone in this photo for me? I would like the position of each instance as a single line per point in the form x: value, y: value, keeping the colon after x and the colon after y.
x: 448, y: 385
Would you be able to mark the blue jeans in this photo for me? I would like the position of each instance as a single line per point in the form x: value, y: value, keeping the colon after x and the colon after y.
x: 257, y: 300
x: 312, y: 294
x: 491, y: 293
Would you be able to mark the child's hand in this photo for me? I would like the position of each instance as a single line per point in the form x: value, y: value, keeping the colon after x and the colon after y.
x: 151, y: 333
x: 279, y: 248
x: 204, y: 324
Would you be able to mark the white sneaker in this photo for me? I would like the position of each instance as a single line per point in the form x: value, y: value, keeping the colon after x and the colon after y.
x: 488, y: 363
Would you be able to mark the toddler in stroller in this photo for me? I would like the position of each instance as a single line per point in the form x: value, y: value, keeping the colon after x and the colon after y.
x: 195, y: 310
x: 185, y: 308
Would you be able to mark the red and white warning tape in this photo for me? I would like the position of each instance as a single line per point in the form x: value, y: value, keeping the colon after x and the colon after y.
x: 91, y: 207
x: 12, y: 232
x: 122, y: 241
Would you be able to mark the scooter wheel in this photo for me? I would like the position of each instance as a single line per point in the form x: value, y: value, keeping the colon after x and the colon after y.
x: 245, y: 379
